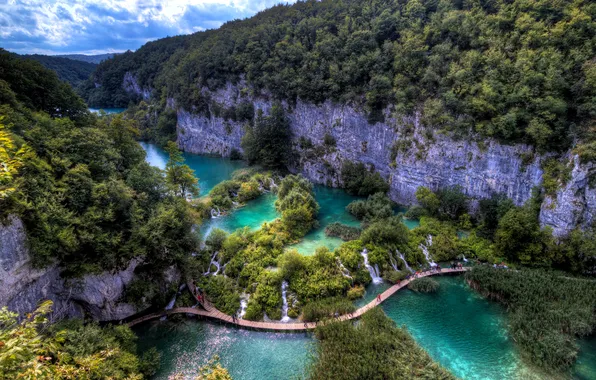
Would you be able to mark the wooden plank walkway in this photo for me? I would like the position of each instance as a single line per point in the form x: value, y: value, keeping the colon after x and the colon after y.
x: 213, y: 313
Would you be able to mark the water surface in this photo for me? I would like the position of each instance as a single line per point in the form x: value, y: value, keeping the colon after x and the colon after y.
x: 210, y: 170
x: 108, y: 111
x: 248, y: 355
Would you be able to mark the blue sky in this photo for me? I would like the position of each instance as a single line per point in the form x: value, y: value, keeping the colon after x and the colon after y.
x: 105, y: 26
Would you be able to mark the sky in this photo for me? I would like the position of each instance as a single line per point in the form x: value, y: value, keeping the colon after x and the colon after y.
x: 108, y: 26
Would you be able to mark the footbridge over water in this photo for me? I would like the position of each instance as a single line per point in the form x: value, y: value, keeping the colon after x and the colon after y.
x: 209, y: 311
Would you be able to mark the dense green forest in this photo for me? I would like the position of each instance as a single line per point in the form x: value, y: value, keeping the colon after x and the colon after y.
x: 71, y: 71
x: 518, y: 70
x: 81, y: 184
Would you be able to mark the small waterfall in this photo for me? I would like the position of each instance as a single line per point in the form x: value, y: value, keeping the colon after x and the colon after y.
x: 215, y: 213
x: 284, y: 299
x: 344, y: 271
x: 236, y: 204
x: 393, y: 262
x: 465, y: 260
x: 243, y: 305
x: 213, y: 262
x: 172, y: 302
x: 272, y: 183
x: 401, y: 256
x: 374, y: 272
x: 424, y: 248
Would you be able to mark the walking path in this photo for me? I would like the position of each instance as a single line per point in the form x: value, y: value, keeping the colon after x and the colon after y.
x: 213, y: 313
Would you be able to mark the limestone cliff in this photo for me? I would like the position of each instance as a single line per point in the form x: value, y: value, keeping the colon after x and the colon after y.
x: 22, y: 286
x: 406, y: 153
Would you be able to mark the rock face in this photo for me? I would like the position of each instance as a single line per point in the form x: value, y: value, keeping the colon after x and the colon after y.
x: 22, y: 286
x: 130, y: 84
x: 406, y: 153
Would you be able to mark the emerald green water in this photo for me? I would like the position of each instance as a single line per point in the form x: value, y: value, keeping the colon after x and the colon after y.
x: 209, y: 170
x: 108, y: 111
x: 248, y: 355
x: 464, y: 332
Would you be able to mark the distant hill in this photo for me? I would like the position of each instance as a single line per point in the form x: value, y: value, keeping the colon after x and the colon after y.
x: 98, y: 58
x: 69, y: 70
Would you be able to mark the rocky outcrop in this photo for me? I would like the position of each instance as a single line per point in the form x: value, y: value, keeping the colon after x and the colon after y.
x: 406, y: 153
x: 22, y: 286
x: 130, y: 84
x: 574, y: 204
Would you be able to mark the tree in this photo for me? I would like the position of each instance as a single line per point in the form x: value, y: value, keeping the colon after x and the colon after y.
x: 428, y: 199
x: 268, y: 141
x: 180, y: 177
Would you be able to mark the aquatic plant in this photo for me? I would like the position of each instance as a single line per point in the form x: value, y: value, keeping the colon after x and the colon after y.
x: 547, y: 310
x: 424, y: 285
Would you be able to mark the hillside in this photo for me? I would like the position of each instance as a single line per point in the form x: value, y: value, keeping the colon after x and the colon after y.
x: 96, y: 59
x: 72, y: 71
x: 517, y: 71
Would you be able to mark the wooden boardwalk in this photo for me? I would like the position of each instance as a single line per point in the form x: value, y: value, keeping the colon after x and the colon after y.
x: 213, y: 313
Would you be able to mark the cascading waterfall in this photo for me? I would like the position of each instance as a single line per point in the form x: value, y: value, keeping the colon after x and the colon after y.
x: 464, y: 257
x: 272, y: 183
x: 393, y: 262
x: 243, y: 305
x: 424, y: 248
x: 172, y: 302
x: 215, y: 212
x: 344, y: 271
x: 284, y: 299
x: 374, y: 272
x: 401, y: 256
x: 213, y: 262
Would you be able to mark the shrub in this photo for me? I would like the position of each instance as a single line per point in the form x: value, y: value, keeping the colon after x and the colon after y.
x: 326, y: 308
x: 394, y: 276
x: 342, y: 231
x: 377, y: 206
x: 357, y: 180
x: 356, y: 292
x: 424, y: 285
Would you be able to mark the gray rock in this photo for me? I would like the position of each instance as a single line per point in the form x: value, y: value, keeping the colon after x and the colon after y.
x: 23, y: 286
x: 482, y: 167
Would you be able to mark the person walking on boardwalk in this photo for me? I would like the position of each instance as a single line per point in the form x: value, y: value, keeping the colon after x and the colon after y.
x: 379, y: 298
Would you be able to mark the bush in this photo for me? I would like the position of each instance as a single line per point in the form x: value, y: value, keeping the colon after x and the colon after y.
x: 356, y: 292
x: 326, y: 308
x: 415, y: 212
x: 342, y: 231
x: 329, y: 140
x: 357, y: 180
x: 372, y: 349
x: 394, y: 276
x: 377, y: 206
x: 389, y: 233
x: 424, y: 285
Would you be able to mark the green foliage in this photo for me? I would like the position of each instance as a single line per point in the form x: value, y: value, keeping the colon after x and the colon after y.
x: 39, y: 89
x: 377, y: 206
x: 342, y: 231
x: 357, y: 180
x: 394, y: 276
x: 179, y: 177
x: 448, y: 203
x: 326, y: 308
x: 547, y: 311
x: 70, y: 350
x: 490, y: 211
x: 424, y: 285
x: 356, y: 292
x: 213, y: 371
x: 373, y: 348
x: 222, y: 292
x: 483, y: 67
x: 428, y: 200
x: 297, y: 205
x: 268, y: 141
x: 74, y: 72
x: 388, y: 233
x: 555, y: 174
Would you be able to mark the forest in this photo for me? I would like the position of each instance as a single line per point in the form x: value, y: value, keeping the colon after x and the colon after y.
x: 72, y: 71
x: 517, y: 71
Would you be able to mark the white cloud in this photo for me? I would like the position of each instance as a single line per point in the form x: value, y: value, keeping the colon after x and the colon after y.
x: 92, y: 26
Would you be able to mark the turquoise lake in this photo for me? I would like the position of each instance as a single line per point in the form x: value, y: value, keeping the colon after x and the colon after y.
x: 108, y: 111
x: 461, y: 330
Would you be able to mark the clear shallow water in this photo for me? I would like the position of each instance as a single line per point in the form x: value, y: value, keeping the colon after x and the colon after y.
x: 461, y: 330
x: 107, y: 110
x: 209, y: 170
x: 246, y: 354
x: 585, y: 367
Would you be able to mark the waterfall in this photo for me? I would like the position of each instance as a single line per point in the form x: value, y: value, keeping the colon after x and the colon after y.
x: 272, y: 183
x: 401, y: 256
x: 236, y: 204
x: 243, y: 305
x: 393, y: 262
x: 215, y: 212
x: 424, y: 248
x: 213, y: 262
x: 284, y: 299
x: 344, y: 271
x: 172, y: 302
x: 374, y: 272
x: 465, y: 260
